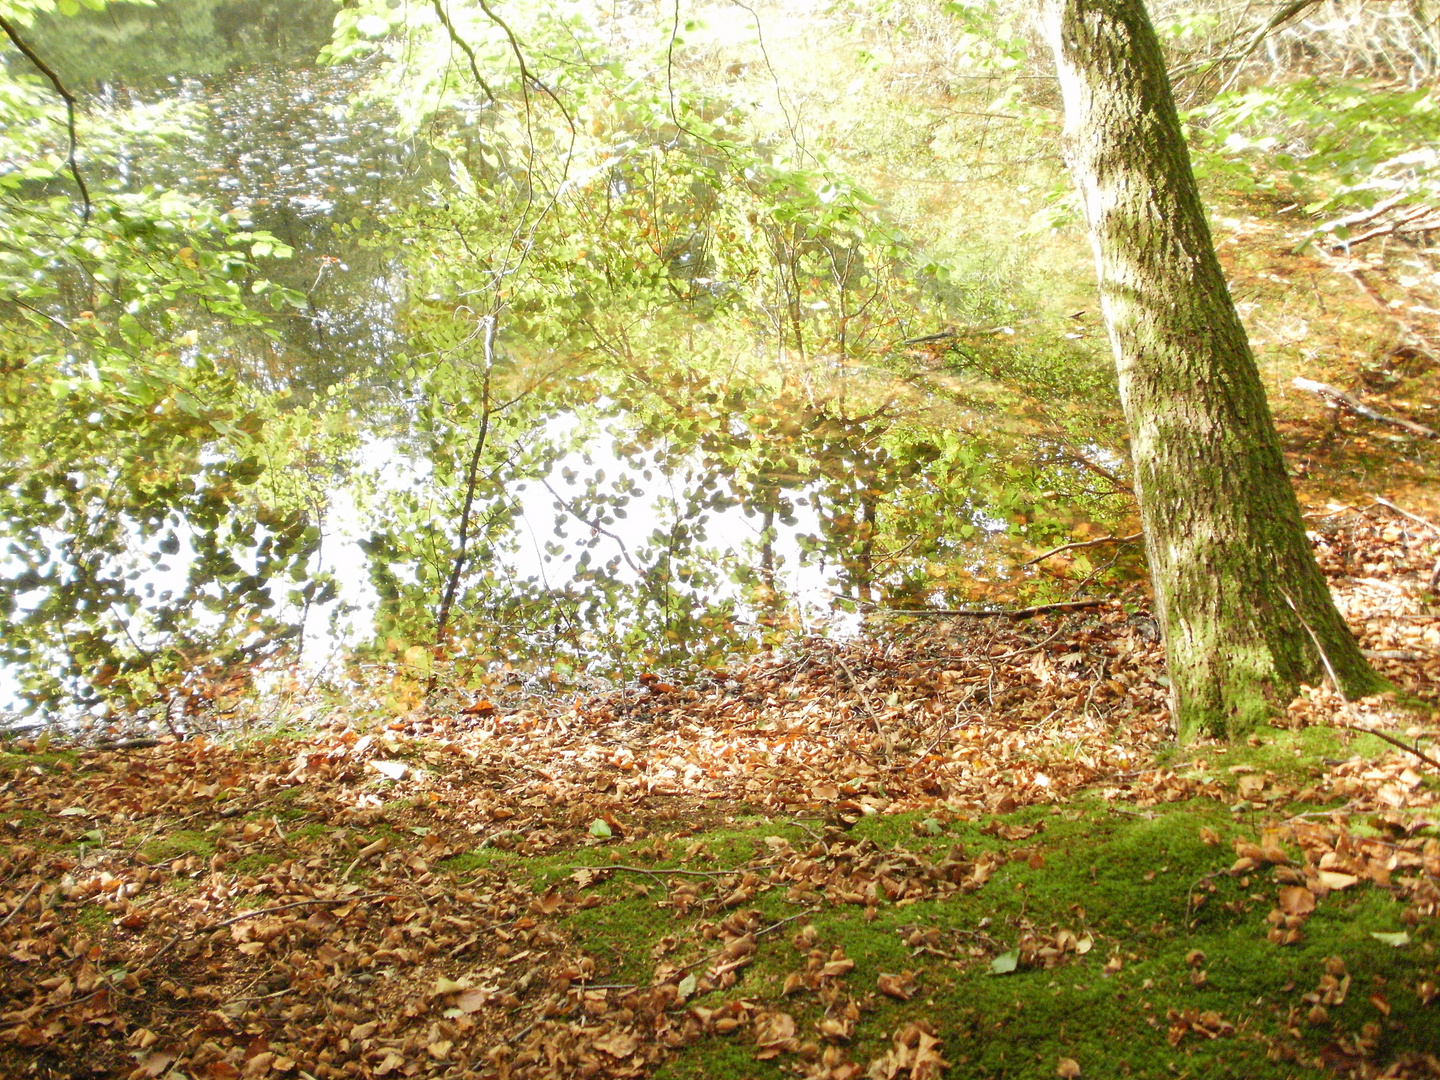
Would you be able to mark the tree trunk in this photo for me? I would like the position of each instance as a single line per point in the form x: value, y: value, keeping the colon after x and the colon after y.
x: 1246, y: 613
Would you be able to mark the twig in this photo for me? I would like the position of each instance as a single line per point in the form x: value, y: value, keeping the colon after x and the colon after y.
x: 982, y: 613
x: 472, y: 476
x: 1340, y: 398
x: 65, y: 96
x: 1318, y: 648
x: 125, y: 744
x: 569, y: 507
x: 1393, y: 741
x: 947, y: 334
x: 1337, y: 513
x: 1028, y: 649
x: 662, y: 873
x: 16, y: 909
x: 257, y: 912
x: 1351, y: 270
x: 1084, y: 544
x: 1391, y: 654
x: 758, y: 933
x: 1279, y: 18
x: 802, y: 826
x: 1406, y: 513
x: 464, y: 47
x: 865, y: 700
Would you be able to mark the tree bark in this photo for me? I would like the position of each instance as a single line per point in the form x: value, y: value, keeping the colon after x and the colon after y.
x: 1246, y: 614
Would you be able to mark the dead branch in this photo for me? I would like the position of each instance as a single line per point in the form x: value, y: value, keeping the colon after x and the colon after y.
x: 1355, y: 271
x: 1393, y: 741
x: 865, y: 700
x: 16, y: 909
x: 1020, y: 613
x: 1084, y: 544
x: 1407, y: 514
x: 1341, y: 399
x: 257, y: 912
x: 1362, y: 217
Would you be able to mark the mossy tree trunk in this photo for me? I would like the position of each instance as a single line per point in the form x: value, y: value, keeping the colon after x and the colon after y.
x: 1246, y: 613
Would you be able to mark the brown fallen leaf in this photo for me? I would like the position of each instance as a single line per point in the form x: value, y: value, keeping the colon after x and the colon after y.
x: 901, y: 986
x: 471, y: 1001
x: 838, y: 964
x: 1297, y: 900
x: 618, y: 1044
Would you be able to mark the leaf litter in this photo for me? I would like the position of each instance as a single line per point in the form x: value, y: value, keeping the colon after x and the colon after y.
x: 355, y: 901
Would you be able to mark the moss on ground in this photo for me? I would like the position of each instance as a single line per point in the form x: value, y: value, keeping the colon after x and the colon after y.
x: 179, y: 843
x: 1169, y: 936
x: 44, y: 759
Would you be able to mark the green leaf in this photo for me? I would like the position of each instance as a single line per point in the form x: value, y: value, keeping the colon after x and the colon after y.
x: 1005, y: 963
x: 1395, y: 941
x: 599, y: 829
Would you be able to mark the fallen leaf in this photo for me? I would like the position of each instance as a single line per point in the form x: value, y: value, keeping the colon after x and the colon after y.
x: 471, y: 1001
x: 395, y: 770
x: 1005, y: 963
x: 901, y: 986
x: 618, y: 1044
x: 1297, y: 900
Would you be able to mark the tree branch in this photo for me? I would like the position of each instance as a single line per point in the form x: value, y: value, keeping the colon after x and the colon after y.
x: 1019, y: 613
x: 1084, y: 544
x: 1344, y: 400
x: 67, y: 97
x: 463, y: 46
x: 452, y: 586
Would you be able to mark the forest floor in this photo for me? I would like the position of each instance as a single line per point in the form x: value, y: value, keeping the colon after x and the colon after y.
x: 968, y: 849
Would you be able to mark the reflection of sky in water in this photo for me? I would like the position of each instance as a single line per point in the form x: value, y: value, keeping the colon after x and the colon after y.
x: 732, y: 538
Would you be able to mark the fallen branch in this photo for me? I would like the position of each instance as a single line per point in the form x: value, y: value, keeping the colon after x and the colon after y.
x: 1020, y: 613
x: 1393, y: 741
x: 16, y: 909
x: 1355, y: 271
x: 256, y: 913
x: 1344, y: 400
x: 1361, y: 217
x: 664, y: 873
x: 865, y: 700
x: 125, y: 744
x: 1390, y: 654
x: 1084, y: 544
x: 1407, y: 514
x: 1419, y: 220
